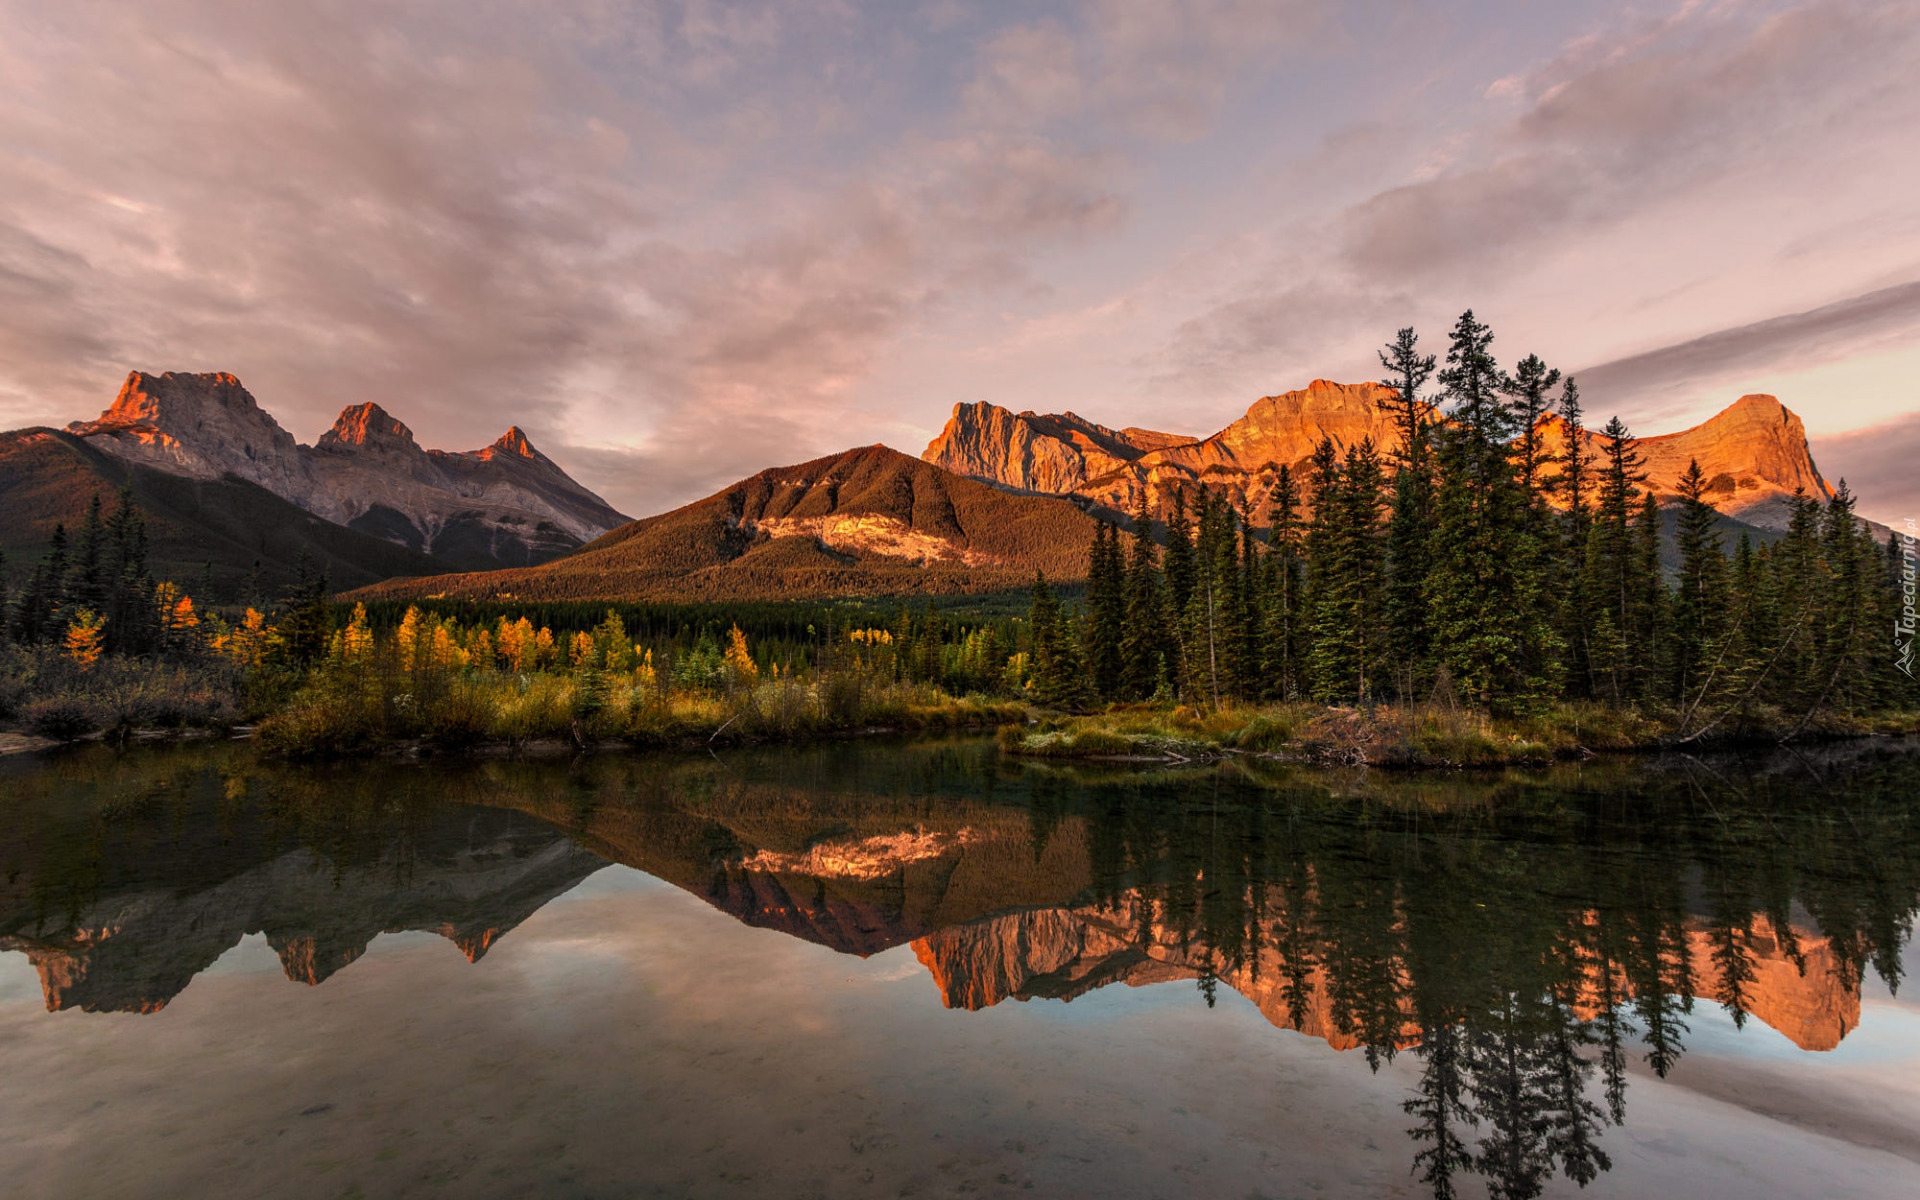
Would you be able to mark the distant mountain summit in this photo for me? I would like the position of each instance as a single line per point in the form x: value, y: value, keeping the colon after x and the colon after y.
x: 1755, y: 453
x: 505, y: 505
x: 866, y: 522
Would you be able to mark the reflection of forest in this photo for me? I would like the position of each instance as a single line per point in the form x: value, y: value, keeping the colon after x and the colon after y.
x: 1524, y: 937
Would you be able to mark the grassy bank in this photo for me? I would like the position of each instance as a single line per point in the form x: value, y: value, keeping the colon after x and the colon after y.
x: 44, y: 692
x: 1409, y: 737
x: 341, y: 712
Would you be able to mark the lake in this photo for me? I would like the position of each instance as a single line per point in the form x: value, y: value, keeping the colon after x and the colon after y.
x: 919, y: 968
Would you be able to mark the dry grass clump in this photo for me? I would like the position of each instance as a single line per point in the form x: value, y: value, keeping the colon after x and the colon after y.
x: 52, y: 696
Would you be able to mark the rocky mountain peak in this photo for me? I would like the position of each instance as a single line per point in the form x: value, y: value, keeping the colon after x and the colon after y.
x: 177, y: 402
x: 1037, y: 452
x: 204, y: 426
x: 515, y: 442
x: 365, y: 425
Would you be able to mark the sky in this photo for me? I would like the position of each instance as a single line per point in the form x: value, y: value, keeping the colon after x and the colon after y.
x: 680, y: 242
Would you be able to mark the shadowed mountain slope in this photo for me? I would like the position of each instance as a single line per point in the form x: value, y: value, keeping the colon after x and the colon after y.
x: 237, y: 529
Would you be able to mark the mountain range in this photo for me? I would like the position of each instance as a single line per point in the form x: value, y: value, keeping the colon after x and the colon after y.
x: 223, y: 483
x: 1755, y: 452
x: 995, y: 497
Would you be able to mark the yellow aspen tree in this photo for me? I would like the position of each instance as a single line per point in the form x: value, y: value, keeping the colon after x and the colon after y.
x: 356, y: 640
x: 739, y: 658
x: 86, y: 637
x: 582, y: 655
x: 407, y: 638
x: 446, y: 653
x: 543, y: 648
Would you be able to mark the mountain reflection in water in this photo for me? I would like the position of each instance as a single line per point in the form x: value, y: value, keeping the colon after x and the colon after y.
x: 1528, y: 938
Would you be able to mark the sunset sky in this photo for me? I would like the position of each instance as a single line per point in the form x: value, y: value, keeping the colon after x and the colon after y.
x: 680, y: 242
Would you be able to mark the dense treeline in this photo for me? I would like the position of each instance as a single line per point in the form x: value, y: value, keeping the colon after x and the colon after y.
x: 1492, y: 555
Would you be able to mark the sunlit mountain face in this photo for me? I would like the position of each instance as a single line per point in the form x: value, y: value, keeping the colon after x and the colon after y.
x: 1531, y: 943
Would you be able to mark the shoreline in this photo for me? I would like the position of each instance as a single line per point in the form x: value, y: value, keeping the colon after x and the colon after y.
x: 1408, y: 741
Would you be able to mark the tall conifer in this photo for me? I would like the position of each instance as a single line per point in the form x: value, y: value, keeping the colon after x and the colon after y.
x: 1410, y: 527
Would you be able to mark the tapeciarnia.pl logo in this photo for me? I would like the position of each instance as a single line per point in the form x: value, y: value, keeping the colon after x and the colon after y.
x: 1903, y: 629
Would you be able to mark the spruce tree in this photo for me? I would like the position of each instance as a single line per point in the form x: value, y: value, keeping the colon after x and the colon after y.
x: 1609, y: 568
x: 1208, y: 620
x: 1286, y: 583
x: 1650, y: 611
x: 1349, y: 552
x: 1179, y: 553
x: 1540, y: 566
x: 1700, y: 603
x: 1143, y: 645
x: 1573, y: 484
x: 1106, y: 611
x: 1059, y: 671
x: 1251, y: 612
x: 87, y: 586
x: 37, y: 617
x: 1529, y: 389
x: 1479, y: 566
x: 1410, y: 527
x: 133, y: 623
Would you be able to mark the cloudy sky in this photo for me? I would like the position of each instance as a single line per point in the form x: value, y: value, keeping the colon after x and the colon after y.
x: 679, y: 242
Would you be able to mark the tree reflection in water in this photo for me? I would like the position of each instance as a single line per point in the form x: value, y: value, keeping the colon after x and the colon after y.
x: 1523, y: 936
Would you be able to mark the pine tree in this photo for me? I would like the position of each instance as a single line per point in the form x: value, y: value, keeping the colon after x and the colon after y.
x: 1347, y: 649
x: 37, y: 615
x: 1144, y: 644
x: 1410, y: 527
x: 304, y: 627
x: 86, y: 586
x: 1700, y: 600
x: 133, y: 623
x: 1210, y: 632
x: 1479, y: 562
x: 1179, y: 553
x: 1106, y: 611
x: 1610, y: 577
x: 1651, y: 618
x: 1573, y: 485
x: 1529, y: 388
x: 1286, y: 584
x: 1059, y: 672
x: 1250, y: 645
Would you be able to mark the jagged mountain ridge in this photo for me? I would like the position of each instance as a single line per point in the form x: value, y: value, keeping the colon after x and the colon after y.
x: 246, y: 538
x: 1039, y: 453
x: 504, y: 505
x: 868, y: 521
x: 1755, y: 452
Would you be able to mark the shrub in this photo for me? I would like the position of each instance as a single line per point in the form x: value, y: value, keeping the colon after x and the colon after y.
x: 63, y: 718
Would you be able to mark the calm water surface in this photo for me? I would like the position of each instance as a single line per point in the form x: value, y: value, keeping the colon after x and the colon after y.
x: 923, y: 970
